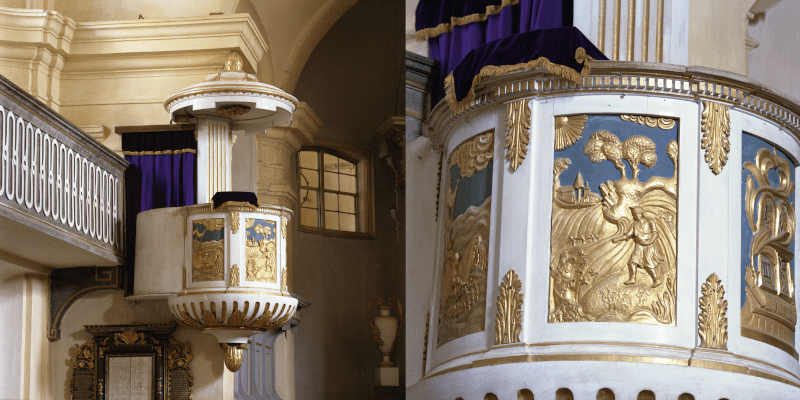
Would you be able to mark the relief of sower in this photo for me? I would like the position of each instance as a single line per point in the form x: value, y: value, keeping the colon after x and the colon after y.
x: 645, y: 255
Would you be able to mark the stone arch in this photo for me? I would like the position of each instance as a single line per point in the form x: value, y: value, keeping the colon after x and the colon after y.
x: 564, y: 394
x: 605, y: 394
x: 646, y: 395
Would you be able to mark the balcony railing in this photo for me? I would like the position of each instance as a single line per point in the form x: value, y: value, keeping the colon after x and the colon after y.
x: 61, y: 193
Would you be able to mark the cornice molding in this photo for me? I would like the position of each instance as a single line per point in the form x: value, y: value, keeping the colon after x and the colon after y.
x: 696, y: 83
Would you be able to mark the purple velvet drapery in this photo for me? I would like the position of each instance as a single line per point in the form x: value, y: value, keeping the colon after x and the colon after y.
x: 162, y: 169
x: 527, y: 15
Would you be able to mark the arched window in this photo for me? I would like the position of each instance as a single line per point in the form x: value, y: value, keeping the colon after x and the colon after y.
x: 335, y: 190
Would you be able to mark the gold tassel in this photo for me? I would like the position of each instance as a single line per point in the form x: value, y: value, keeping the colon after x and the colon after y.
x: 491, y: 71
x: 429, y: 33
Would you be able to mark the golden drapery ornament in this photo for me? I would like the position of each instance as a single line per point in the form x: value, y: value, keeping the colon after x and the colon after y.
x: 651, y: 121
x: 569, y: 129
x: 235, y: 222
x: 446, y: 27
x: 713, y: 320
x: 491, y: 71
x: 508, y: 321
x: 518, y: 125
x: 716, y: 128
x: 770, y: 312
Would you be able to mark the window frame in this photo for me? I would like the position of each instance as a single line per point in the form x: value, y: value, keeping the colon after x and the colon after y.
x: 364, y: 207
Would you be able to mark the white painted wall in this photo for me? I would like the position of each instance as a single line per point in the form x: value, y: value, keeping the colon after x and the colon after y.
x: 774, y: 62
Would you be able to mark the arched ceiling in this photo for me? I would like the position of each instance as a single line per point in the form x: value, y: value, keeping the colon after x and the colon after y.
x: 292, y: 30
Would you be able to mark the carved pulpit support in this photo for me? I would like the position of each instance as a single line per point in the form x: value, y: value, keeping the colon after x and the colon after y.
x: 122, y: 361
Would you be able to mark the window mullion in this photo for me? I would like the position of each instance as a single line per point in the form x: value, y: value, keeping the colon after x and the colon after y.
x: 321, y: 194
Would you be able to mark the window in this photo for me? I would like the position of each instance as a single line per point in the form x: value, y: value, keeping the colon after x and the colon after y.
x: 335, y: 191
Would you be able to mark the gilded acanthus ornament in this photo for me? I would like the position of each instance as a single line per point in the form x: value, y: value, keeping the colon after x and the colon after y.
x: 508, y: 321
x: 233, y: 355
x: 713, y: 320
x: 284, y: 223
x: 518, y: 125
x: 663, y: 123
x: 83, y: 356
x: 233, y: 111
x: 716, y: 128
x: 262, y: 317
x: 284, y: 280
x: 600, y: 241
x: 569, y: 129
x: 770, y: 313
x: 235, y: 222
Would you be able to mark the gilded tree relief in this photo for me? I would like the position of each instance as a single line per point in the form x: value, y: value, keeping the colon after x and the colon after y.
x: 462, y: 302
x: 261, y: 251
x: 614, y: 224
x: 769, y: 311
x: 208, y: 245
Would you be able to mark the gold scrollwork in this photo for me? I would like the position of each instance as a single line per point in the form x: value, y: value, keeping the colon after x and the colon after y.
x: 518, y: 125
x: 473, y: 156
x: 234, y: 275
x: 661, y: 122
x: 770, y: 312
x: 234, y: 222
x: 508, y: 321
x: 129, y: 337
x: 569, y: 129
x: 284, y: 223
x: 284, y: 280
x: 716, y: 128
x: 233, y: 111
x: 83, y: 356
x: 713, y: 320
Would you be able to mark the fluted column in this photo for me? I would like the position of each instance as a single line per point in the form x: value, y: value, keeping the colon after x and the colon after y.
x: 214, y: 141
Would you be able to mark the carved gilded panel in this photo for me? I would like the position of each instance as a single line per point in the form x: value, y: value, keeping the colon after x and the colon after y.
x: 462, y: 301
x: 614, y: 224
x: 769, y: 313
x: 261, y: 251
x: 208, y: 250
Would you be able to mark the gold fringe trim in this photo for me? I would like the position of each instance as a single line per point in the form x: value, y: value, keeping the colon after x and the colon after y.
x: 445, y: 27
x: 157, y: 153
x: 491, y: 71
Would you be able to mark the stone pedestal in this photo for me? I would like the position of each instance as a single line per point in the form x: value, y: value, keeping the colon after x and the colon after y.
x: 387, y: 376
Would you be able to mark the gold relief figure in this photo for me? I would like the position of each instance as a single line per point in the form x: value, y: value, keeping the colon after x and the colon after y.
x: 261, y: 261
x: 462, y: 307
x: 645, y: 255
x: 769, y: 313
x: 600, y: 240
x: 208, y: 246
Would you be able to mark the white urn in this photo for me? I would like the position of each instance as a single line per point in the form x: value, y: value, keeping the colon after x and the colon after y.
x: 385, y: 327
